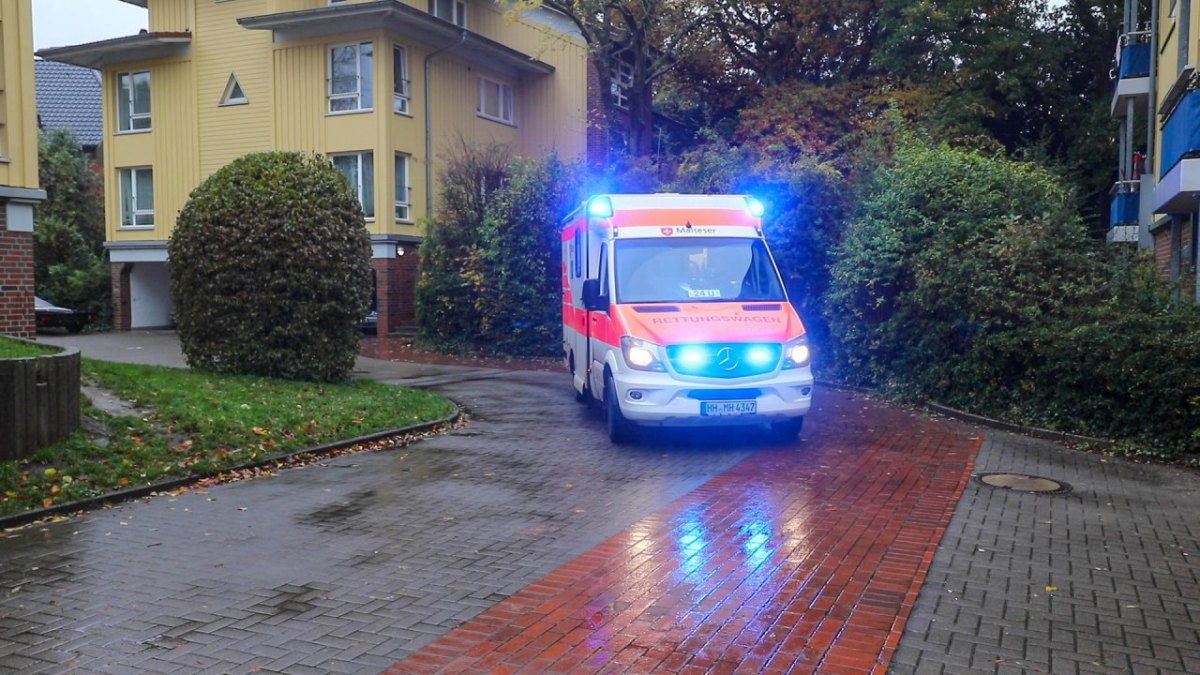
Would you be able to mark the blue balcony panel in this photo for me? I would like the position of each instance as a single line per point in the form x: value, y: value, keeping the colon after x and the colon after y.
x: 1181, y: 133
x: 1124, y: 209
x: 1135, y: 61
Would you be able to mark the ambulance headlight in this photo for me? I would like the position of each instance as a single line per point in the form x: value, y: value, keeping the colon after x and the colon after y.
x: 640, y: 354
x: 796, y: 353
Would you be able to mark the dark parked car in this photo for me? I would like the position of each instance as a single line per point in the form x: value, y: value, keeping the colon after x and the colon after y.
x: 49, y: 315
x: 370, y: 322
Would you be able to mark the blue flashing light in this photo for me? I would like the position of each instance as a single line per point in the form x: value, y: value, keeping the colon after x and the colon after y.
x: 693, y: 357
x: 600, y: 207
x: 755, y: 207
x: 761, y: 355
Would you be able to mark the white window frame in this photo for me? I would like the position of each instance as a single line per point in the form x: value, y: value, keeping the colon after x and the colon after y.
x: 366, y: 158
x: 622, y: 83
x: 505, y: 101
x: 227, y: 97
x: 458, y: 11
x: 357, y: 95
x: 126, y: 103
x: 401, y: 86
x: 134, y: 213
x: 403, y: 188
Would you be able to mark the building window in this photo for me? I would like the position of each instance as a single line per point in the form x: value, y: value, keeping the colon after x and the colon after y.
x: 133, y: 101
x: 622, y: 82
x: 233, y: 94
x: 403, y: 200
x: 137, y: 197
x: 350, y: 77
x: 495, y: 100
x: 400, y: 79
x: 359, y: 168
x: 454, y: 11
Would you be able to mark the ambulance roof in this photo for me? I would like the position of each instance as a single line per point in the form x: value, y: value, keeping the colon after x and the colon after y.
x: 667, y: 200
x: 674, y: 210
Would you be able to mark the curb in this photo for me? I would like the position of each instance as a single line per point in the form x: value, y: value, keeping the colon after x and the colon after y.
x: 1034, y: 432
x: 24, y: 518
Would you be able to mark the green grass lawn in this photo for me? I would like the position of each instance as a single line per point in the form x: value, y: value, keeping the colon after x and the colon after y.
x: 196, y: 422
x: 15, y: 349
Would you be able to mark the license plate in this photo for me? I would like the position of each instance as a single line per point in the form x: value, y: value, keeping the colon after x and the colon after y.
x: 727, y: 408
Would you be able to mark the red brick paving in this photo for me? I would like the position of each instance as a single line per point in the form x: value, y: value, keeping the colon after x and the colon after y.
x: 799, y: 559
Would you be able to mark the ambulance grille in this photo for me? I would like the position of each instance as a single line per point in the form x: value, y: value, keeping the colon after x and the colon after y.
x: 724, y: 359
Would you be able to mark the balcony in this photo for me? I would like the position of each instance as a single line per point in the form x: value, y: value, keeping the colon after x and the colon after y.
x: 335, y: 21
x: 1131, y: 72
x: 1126, y: 197
x: 1179, y: 173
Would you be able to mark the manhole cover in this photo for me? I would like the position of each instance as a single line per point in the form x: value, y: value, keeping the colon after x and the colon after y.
x: 1023, y: 483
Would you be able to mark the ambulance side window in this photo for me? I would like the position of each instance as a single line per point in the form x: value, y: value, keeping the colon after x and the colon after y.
x: 578, y: 243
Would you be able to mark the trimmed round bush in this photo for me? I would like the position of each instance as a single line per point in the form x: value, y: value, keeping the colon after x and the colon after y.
x: 270, y: 268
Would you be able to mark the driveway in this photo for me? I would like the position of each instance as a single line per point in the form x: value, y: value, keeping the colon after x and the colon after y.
x: 524, y: 542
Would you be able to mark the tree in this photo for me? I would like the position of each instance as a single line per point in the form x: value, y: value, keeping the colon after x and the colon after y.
x: 648, y: 37
x: 491, y: 266
x: 270, y: 267
x: 68, y: 242
x: 450, y: 252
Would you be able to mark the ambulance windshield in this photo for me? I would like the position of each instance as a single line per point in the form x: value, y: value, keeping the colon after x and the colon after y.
x: 695, y: 269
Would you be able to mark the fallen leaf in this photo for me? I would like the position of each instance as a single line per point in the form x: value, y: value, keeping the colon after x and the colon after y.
x: 48, y: 502
x: 1051, y: 589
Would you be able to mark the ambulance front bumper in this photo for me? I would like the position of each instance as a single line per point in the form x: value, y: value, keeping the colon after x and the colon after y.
x: 663, y: 399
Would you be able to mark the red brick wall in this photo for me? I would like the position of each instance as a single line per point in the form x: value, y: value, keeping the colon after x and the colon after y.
x: 1162, y: 252
x: 16, y: 281
x: 396, y: 280
x: 597, y: 128
x: 122, y: 316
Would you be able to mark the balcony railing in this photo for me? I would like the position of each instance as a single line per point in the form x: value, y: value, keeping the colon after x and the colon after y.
x: 1124, y: 207
x: 1181, y: 133
x: 1133, y: 56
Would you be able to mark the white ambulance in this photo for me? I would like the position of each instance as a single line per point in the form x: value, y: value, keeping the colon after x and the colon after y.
x: 674, y: 314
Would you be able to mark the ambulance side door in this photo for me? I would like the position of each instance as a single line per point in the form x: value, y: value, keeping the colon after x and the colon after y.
x: 600, y: 323
x: 578, y: 272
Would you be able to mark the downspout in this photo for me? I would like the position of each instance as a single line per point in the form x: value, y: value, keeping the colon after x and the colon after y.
x: 1145, y: 239
x: 462, y: 37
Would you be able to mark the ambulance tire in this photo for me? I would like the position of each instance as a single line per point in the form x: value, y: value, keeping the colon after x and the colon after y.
x: 620, y: 430
x: 788, y: 430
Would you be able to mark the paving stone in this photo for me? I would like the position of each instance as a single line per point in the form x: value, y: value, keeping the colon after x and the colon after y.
x: 1108, y: 547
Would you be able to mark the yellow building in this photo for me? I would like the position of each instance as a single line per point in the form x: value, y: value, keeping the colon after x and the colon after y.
x: 18, y: 167
x: 215, y: 79
x: 1156, y: 101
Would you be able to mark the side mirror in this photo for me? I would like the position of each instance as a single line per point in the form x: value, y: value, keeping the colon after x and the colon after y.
x: 592, y: 300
